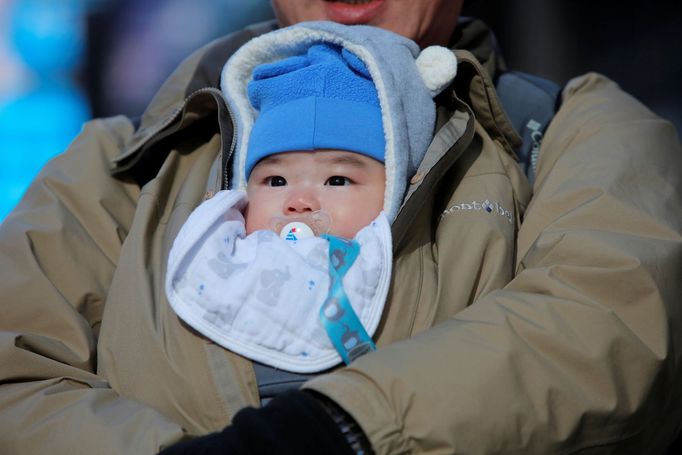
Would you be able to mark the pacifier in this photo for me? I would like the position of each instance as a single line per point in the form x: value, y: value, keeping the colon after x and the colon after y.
x: 300, y: 227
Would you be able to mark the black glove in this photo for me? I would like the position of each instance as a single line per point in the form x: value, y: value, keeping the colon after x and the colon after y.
x: 293, y: 423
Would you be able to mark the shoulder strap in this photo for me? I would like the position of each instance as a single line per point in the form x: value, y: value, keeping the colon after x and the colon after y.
x: 272, y: 381
x: 530, y: 103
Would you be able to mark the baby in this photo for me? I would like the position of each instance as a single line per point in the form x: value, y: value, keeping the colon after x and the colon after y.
x: 318, y: 142
x: 291, y: 267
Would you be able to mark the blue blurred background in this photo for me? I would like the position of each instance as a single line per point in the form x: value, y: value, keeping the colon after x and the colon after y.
x: 65, y: 61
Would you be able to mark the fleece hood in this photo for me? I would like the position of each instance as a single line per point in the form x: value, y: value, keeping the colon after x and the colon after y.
x: 406, y: 81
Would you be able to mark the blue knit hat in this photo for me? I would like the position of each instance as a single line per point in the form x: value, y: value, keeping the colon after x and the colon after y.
x: 323, y: 99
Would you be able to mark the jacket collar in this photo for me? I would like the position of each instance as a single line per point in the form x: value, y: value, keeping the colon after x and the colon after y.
x: 183, y: 98
x: 472, y: 99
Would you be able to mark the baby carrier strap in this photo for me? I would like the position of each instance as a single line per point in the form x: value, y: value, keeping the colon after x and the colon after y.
x: 530, y: 102
x: 272, y: 381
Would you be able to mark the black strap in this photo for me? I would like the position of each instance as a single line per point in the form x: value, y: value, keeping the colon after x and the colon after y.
x: 530, y: 103
x: 273, y: 381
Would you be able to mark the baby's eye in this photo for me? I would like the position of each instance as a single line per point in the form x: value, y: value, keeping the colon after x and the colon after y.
x: 337, y: 180
x: 276, y: 180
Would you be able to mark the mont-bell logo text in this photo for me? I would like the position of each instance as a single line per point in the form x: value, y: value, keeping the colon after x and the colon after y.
x: 493, y: 208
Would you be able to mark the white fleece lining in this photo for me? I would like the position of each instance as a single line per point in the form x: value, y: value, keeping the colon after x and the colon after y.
x: 276, y: 46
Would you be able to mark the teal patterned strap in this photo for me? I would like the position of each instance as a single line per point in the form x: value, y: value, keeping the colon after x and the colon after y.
x: 346, y: 332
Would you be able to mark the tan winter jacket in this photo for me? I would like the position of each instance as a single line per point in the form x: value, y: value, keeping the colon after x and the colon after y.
x: 543, y: 325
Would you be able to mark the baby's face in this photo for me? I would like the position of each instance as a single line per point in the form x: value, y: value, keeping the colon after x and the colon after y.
x: 348, y: 186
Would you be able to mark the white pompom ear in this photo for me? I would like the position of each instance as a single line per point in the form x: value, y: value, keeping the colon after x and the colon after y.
x: 437, y: 66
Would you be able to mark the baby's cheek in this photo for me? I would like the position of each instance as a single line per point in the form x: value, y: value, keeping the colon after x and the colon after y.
x: 349, y: 221
x: 248, y: 220
x: 254, y: 218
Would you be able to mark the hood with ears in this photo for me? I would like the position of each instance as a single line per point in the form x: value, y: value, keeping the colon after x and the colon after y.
x: 406, y: 80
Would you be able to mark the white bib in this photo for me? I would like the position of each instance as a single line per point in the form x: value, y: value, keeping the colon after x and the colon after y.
x: 260, y: 295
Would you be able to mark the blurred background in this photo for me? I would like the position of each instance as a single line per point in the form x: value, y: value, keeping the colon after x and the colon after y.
x: 63, y: 62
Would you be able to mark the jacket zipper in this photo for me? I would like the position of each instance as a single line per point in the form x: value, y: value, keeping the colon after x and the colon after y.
x: 226, y: 158
x: 159, y: 127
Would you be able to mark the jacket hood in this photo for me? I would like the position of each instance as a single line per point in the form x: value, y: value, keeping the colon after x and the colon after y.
x: 403, y: 75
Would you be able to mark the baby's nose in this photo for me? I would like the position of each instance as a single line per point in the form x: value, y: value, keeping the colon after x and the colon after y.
x: 301, y: 202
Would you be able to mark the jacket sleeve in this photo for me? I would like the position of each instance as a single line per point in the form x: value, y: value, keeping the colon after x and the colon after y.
x: 581, y: 350
x: 58, y: 252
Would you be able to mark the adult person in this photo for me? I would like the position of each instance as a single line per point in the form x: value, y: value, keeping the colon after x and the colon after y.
x: 578, y: 350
